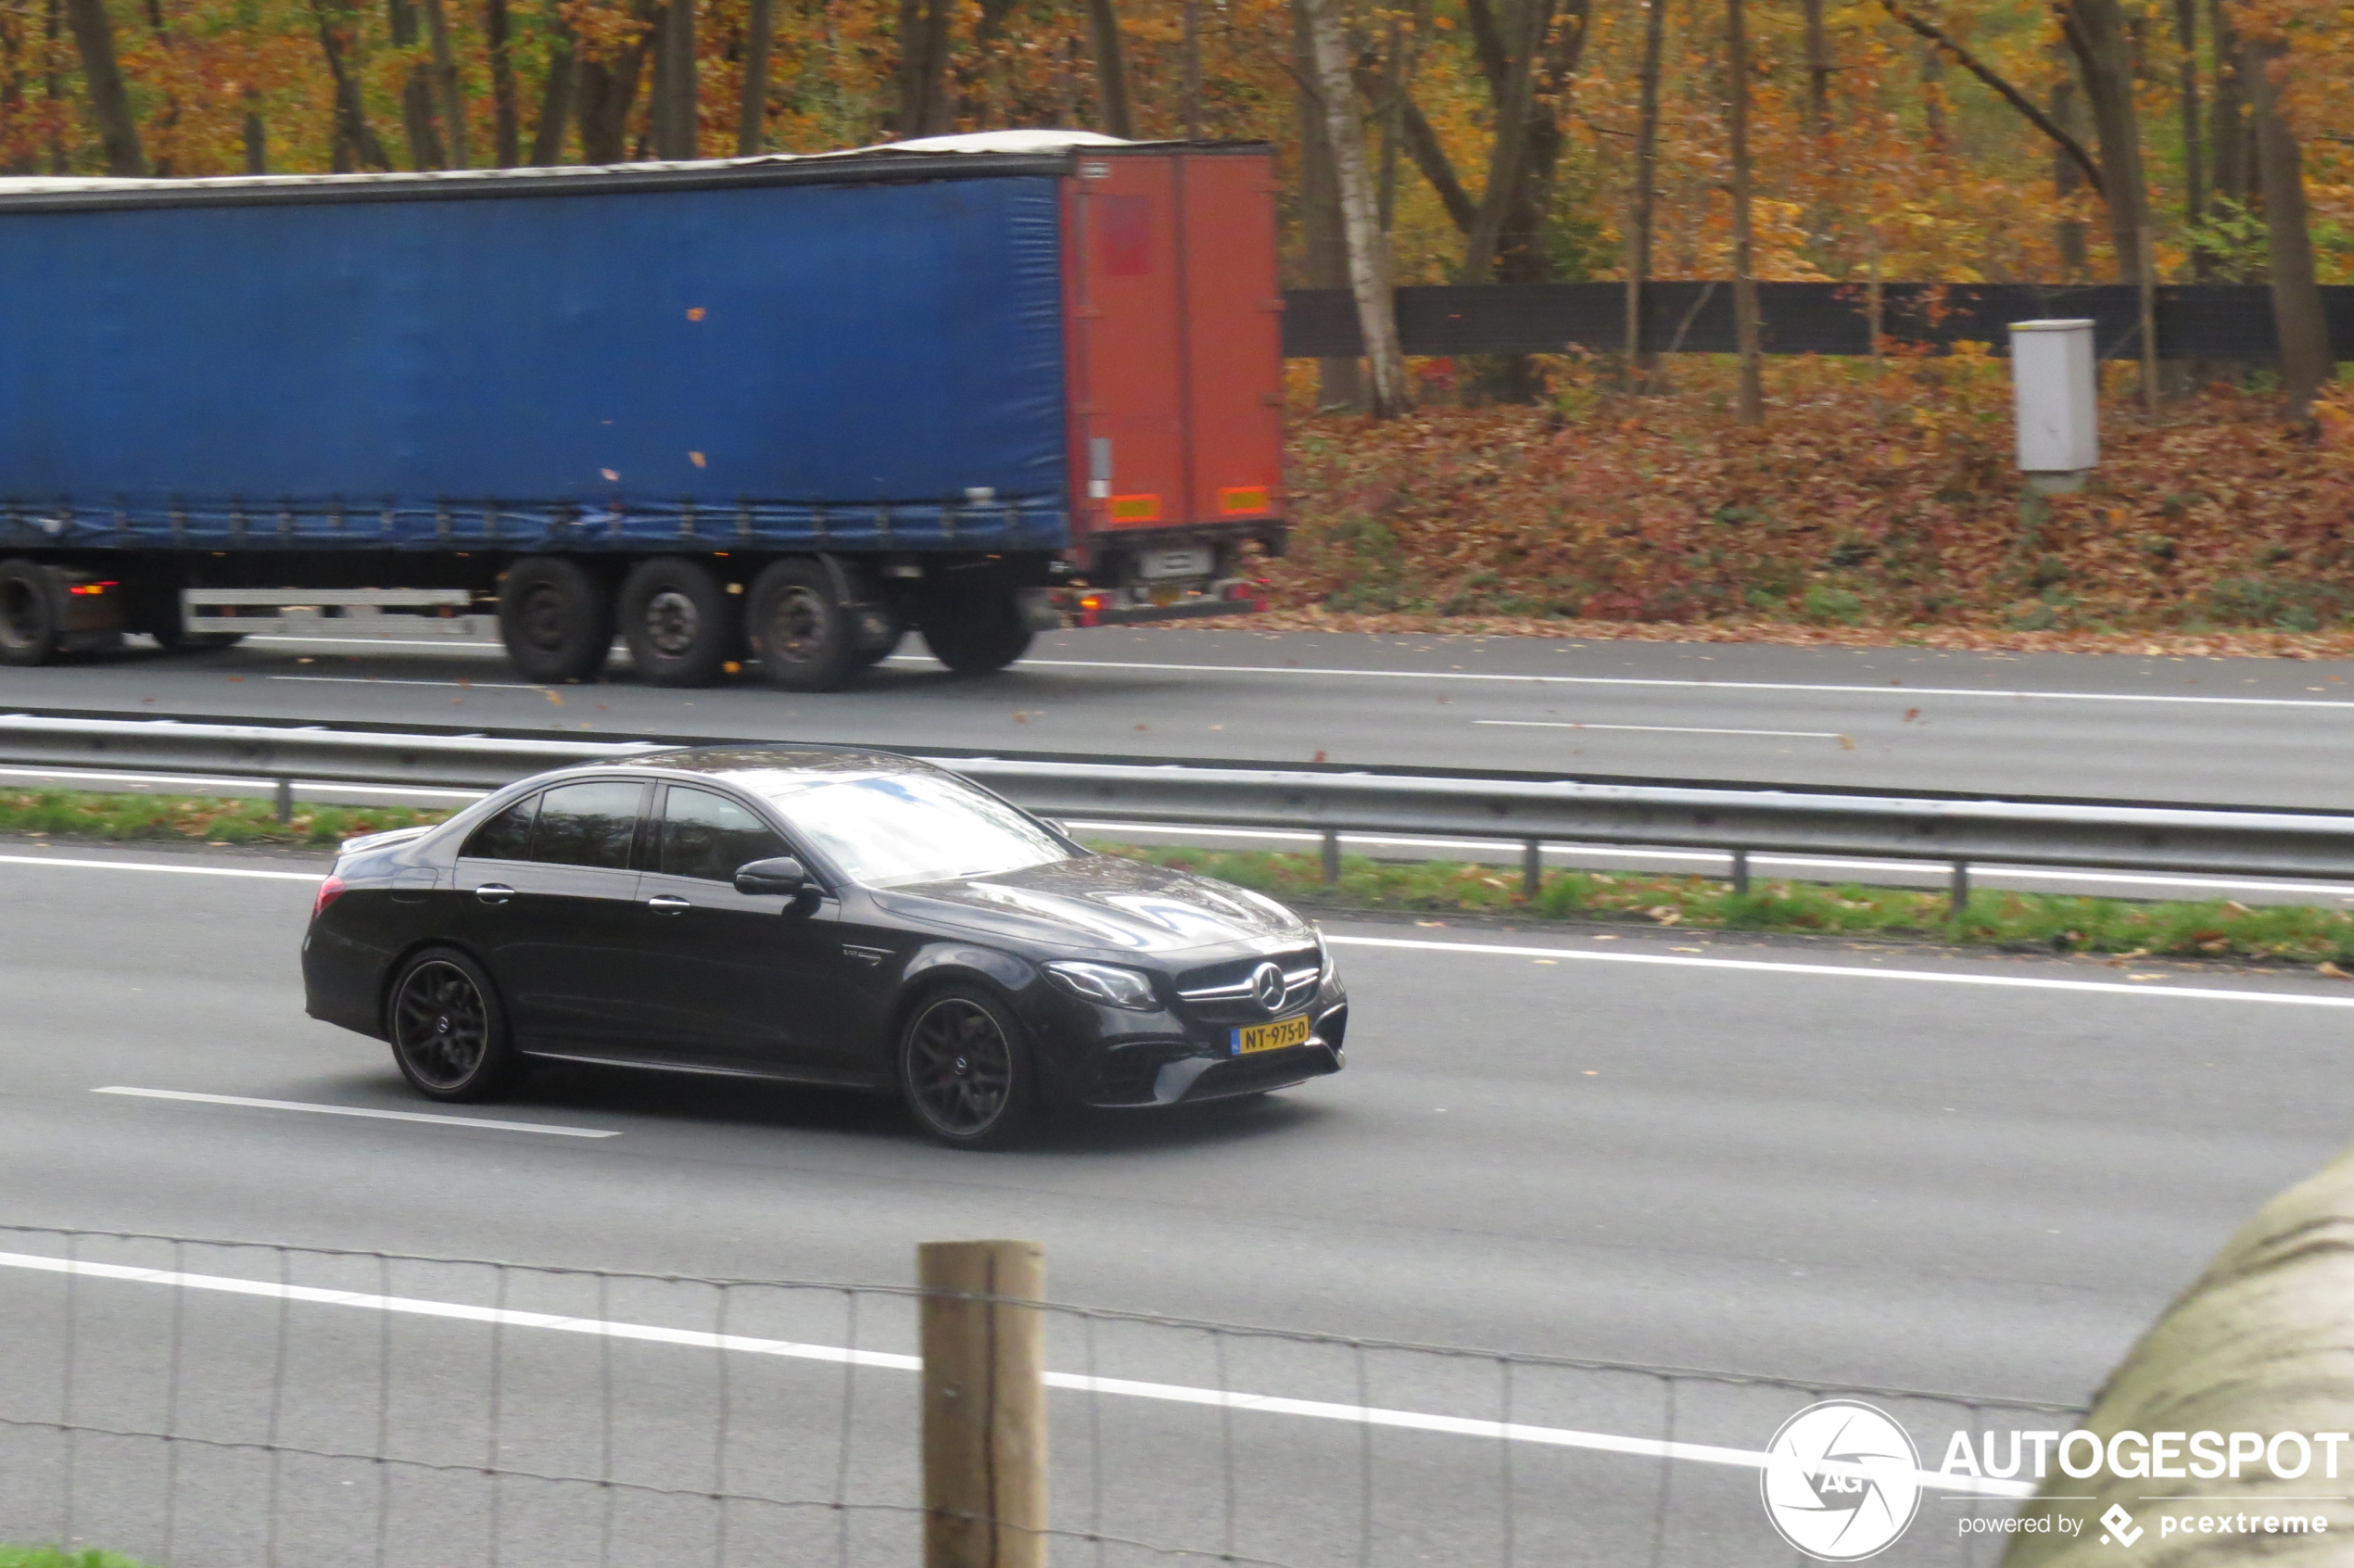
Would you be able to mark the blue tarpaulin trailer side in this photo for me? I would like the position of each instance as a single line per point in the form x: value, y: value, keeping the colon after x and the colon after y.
x: 869, y: 364
x: 776, y: 411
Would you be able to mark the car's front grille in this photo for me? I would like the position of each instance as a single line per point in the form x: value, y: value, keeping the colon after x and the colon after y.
x: 1222, y: 992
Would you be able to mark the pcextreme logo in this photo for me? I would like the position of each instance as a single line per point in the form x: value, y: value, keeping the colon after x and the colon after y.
x: 1842, y: 1481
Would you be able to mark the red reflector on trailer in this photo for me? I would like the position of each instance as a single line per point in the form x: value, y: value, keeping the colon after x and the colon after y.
x: 1135, y: 509
x: 1243, y: 498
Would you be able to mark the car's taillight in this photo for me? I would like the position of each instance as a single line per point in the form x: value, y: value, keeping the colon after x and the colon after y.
x: 329, y: 891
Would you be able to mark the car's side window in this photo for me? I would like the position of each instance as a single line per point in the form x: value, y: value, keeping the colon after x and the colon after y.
x: 586, y: 824
x: 506, y: 836
x: 708, y: 836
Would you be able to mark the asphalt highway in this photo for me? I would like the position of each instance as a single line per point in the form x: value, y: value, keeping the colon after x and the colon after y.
x: 2208, y: 732
x: 1845, y: 1165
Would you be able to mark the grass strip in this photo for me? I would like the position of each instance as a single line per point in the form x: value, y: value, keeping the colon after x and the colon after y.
x: 2045, y: 922
x: 52, y: 1557
x: 205, y: 820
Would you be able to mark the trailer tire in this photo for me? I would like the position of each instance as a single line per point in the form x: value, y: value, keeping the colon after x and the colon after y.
x: 679, y: 619
x: 555, y: 616
x: 28, y: 618
x: 979, y: 635
x: 801, y: 630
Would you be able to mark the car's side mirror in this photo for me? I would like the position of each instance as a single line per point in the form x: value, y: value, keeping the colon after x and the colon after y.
x: 781, y: 876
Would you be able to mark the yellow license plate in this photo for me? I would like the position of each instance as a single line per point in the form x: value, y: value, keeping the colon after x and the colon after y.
x: 1272, y: 1036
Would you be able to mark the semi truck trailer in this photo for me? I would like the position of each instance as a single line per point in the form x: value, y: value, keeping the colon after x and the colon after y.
x: 772, y: 411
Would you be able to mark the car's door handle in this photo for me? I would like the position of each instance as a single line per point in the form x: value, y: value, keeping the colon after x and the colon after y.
x: 494, y: 892
x: 669, y: 903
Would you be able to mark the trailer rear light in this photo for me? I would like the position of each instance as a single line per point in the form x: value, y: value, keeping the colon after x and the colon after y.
x: 329, y: 891
x: 93, y: 588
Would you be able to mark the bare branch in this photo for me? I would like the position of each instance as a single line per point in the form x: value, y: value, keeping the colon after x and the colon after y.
x: 2011, y: 94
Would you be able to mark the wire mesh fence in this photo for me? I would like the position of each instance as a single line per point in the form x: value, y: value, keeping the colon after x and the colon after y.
x: 198, y: 1403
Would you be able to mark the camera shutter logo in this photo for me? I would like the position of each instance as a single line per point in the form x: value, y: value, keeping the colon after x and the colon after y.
x: 1841, y: 1481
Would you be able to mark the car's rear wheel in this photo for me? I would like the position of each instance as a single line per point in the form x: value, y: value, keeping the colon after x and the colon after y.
x: 966, y: 1070
x: 448, y: 1031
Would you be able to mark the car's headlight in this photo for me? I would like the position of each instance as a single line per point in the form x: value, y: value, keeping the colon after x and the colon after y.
x: 1107, y: 984
x: 1323, y: 954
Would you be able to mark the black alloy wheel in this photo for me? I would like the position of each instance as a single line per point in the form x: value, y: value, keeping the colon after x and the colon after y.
x: 966, y: 1071
x: 801, y: 632
x: 555, y: 616
x: 975, y: 629
x: 448, y: 1035
x: 679, y: 619
x: 28, y: 632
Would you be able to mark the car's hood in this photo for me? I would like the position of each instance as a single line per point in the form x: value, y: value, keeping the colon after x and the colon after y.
x: 1102, y: 901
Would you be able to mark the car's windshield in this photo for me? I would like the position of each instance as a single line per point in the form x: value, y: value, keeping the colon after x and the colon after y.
x: 888, y: 829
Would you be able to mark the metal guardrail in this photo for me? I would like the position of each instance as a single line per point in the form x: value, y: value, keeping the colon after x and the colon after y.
x: 2088, y: 834
x: 1958, y: 832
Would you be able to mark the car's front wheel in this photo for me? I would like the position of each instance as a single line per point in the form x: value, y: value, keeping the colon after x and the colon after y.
x: 448, y: 1031
x: 966, y: 1070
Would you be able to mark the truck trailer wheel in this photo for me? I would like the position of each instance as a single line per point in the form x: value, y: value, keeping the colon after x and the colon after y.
x: 977, y: 634
x: 556, y: 618
x: 801, y: 630
x: 678, y: 618
x: 28, y: 618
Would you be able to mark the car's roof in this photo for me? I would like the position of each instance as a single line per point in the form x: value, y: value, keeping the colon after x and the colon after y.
x: 799, y: 757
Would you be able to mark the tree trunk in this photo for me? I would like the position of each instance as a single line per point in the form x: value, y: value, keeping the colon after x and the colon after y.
x: 923, y: 68
x: 556, y: 95
x: 2068, y: 178
x: 2297, y: 318
x: 356, y: 144
x: 1508, y: 156
x: 1368, y: 252
x: 257, y: 135
x: 1749, y: 407
x: 1340, y: 382
x: 676, y: 115
x: 416, y: 93
x: 507, y: 124
x: 53, y: 89
x: 1189, y: 84
x: 2096, y: 30
x: 110, y: 100
x: 448, y: 88
x: 608, y: 90
x: 1642, y: 361
x: 1940, y: 138
x: 2194, y: 153
x: 2228, y: 118
x: 751, y: 113
x: 1111, y: 70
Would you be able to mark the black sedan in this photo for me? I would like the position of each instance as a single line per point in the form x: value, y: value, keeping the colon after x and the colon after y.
x: 816, y: 915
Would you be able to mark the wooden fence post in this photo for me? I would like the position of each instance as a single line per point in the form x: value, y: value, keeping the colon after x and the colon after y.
x: 984, y: 1404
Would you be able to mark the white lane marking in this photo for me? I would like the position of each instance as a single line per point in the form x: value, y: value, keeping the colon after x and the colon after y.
x: 1849, y: 971
x: 356, y: 1110
x: 152, y: 866
x: 389, y: 680
x: 1263, y: 1404
x: 1663, y: 728
x: 1660, y: 680
x: 71, y: 775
